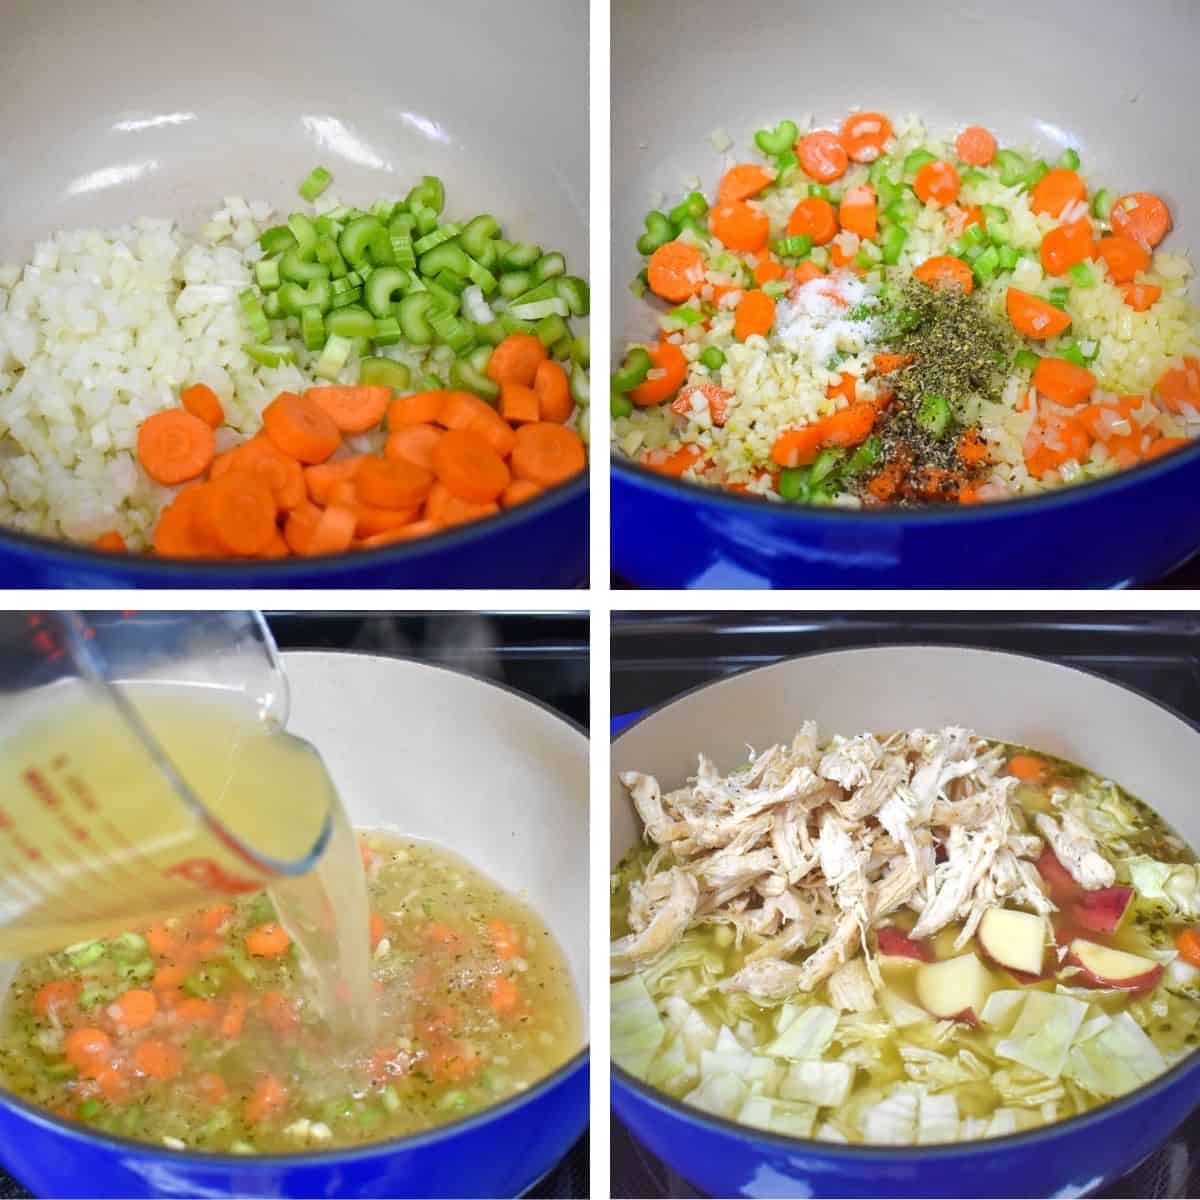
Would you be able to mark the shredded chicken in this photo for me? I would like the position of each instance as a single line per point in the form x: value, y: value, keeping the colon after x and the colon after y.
x: 806, y: 849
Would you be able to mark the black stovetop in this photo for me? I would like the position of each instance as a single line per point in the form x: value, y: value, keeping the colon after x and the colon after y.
x: 658, y: 656
x: 544, y: 655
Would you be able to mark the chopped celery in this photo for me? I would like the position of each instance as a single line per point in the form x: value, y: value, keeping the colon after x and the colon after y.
x: 334, y: 357
x: 317, y: 182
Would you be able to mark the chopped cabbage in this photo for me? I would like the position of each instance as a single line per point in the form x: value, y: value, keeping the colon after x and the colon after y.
x: 637, y: 1029
x: 831, y: 1133
x: 779, y: 1116
x: 893, y: 1121
x: 808, y: 1034
x: 937, y: 1118
x: 690, y: 955
x: 1002, y: 1007
x: 901, y: 1012
x: 690, y: 1026
x: 1176, y: 884
x: 1042, y: 1036
x: 722, y: 1095
x: 671, y: 1069
x: 825, y: 1084
x: 1117, y: 1060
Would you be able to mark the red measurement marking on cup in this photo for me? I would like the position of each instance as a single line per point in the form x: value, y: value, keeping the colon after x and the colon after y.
x: 210, y: 874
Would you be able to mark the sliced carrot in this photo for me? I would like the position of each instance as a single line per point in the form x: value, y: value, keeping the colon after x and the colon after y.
x: 864, y: 135
x: 111, y: 541
x: 740, y: 226
x: 301, y: 428
x: 668, y: 359
x: 766, y: 270
x: 1166, y: 445
x: 1056, y: 190
x: 547, y: 454
x: 279, y: 1012
x: 857, y: 212
x: 376, y: 929
x: 463, y: 410
x: 975, y: 146
x: 469, y: 467
x: 177, y: 534
x: 1098, y: 418
x: 755, y: 314
x: 1066, y: 245
x: 175, y: 446
x: 1123, y: 256
x: 160, y: 940
x: 944, y: 270
x: 840, y: 256
x: 798, y: 447
x: 1063, y: 381
x: 503, y: 994
x: 822, y: 156
x: 972, y: 450
x: 201, y: 401
x: 268, y: 940
x: 414, y: 443
x: 515, y: 360
x: 849, y: 426
x: 1141, y: 216
x: 238, y: 512
x: 813, y: 217
x: 1179, y: 385
x: 887, y: 481
x: 504, y: 938
x: 333, y: 532
x: 368, y: 522
x: 299, y: 526
x: 280, y: 472
x: 519, y: 405
x: 846, y: 387
x: 1071, y: 443
x: 675, y: 271
x: 54, y: 996
x: 169, y: 975
x: 446, y: 509
x: 743, y: 181
x: 672, y: 463
x: 235, y: 1015
x: 886, y: 363
x: 212, y: 918
x: 210, y: 1087
x: 717, y: 398
x: 804, y: 272
x: 136, y: 1008
x: 519, y: 492
x: 937, y: 183
x: 421, y: 528
x: 195, y: 1010
x: 1027, y: 767
x: 352, y: 409
x: 88, y: 1050
x: 553, y: 392
x: 421, y: 408
x: 158, y: 1059
x: 268, y: 1098
x: 114, y: 1086
x: 320, y: 479
x: 1033, y: 317
x: 393, y: 482
x: 1140, y: 296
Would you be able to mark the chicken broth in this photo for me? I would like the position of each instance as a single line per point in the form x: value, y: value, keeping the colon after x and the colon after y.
x: 926, y: 937
x: 206, y: 1032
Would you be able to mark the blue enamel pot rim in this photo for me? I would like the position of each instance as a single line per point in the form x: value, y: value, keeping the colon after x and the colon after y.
x: 1064, y: 497
x: 412, y: 1141
x: 272, y: 571
x: 1031, y: 1137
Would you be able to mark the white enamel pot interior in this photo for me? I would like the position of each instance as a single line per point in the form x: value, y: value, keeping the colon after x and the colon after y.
x: 1060, y: 710
x: 480, y: 770
x: 161, y: 109
x: 1047, y: 75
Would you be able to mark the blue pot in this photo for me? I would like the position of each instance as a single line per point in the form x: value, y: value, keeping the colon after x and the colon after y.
x: 500, y: 1152
x: 1113, y: 533
x: 541, y: 544
x: 1022, y: 700
x: 1072, y: 1158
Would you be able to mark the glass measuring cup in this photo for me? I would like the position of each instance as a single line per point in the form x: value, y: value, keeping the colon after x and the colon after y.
x: 144, y: 771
